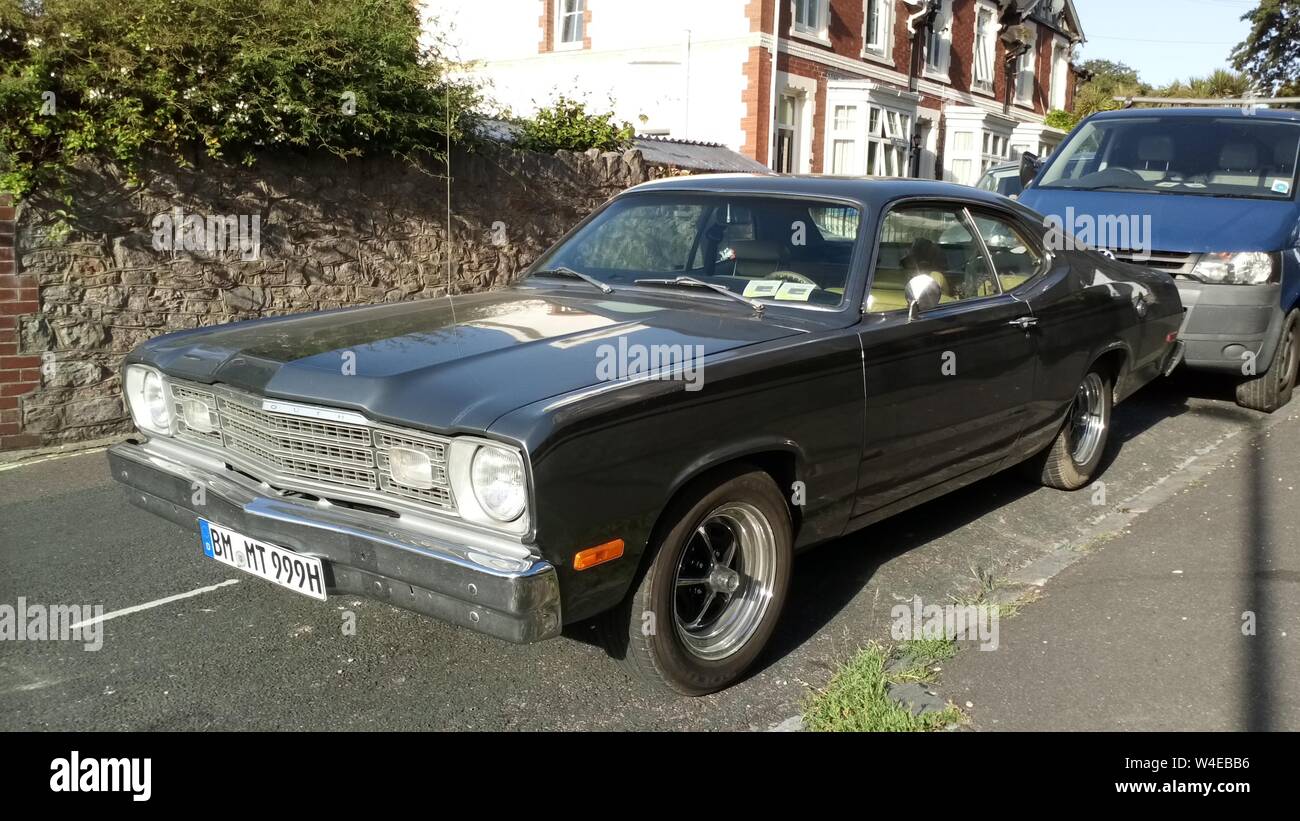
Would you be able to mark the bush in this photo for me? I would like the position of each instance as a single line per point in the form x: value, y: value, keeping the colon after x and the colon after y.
x: 567, y: 125
x: 1064, y: 120
x: 118, y: 79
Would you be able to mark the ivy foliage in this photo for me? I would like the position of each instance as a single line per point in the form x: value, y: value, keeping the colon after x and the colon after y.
x: 117, y: 80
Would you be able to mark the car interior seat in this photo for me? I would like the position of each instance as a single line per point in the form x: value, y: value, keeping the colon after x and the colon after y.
x: 1154, y: 155
x: 1238, y: 165
x: 754, y: 259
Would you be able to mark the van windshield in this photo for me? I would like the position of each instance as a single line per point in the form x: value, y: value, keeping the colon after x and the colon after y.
x: 1201, y: 156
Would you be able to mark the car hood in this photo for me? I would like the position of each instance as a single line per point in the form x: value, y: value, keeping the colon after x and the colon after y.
x: 448, y: 364
x: 1192, y: 224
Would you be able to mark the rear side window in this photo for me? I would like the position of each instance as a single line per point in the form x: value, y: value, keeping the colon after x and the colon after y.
x: 1016, y: 260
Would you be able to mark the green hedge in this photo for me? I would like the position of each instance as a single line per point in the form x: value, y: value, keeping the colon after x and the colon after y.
x: 119, y: 79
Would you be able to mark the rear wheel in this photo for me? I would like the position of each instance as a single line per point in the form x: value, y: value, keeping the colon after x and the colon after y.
x: 1071, y: 460
x: 1274, y: 388
x: 711, y: 597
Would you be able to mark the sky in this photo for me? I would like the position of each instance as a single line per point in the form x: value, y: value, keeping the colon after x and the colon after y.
x: 1164, y: 40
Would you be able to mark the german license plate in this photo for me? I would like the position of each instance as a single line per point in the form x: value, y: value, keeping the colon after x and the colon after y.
x: 299, y: 573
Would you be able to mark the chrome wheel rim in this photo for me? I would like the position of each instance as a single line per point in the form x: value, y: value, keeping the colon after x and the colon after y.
x: 724, y: 581
x: 1087, y: 419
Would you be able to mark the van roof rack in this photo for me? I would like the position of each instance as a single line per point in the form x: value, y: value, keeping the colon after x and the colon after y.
x: 1226, y: 102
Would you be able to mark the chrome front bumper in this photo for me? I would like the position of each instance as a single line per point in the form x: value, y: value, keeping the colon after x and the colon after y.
x: 462, y: 577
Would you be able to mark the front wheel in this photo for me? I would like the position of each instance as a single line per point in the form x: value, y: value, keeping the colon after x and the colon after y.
x: 1273, y: 389
x: 1071, y: 460
x: 711, y: 597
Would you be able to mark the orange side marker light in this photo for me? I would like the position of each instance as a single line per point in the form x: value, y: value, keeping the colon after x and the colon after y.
x: 601, y: 553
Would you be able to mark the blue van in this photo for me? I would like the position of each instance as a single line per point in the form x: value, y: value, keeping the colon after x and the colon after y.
x: 1209, y: 196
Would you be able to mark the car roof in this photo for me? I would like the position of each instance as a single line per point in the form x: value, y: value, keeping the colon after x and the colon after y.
x: 1285, y: 114
x: 870, y: 191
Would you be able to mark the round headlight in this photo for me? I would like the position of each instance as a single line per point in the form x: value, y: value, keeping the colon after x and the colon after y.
x: 498, y: 479
x: 155, y: 400
x: 146, y: 398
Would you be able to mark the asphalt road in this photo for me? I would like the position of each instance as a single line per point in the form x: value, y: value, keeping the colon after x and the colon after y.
x: 249, y: 655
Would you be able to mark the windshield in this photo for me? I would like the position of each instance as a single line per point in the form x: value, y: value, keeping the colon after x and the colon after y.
x: 1005, y: 182
x: 1205, y: 156
x: 792, y: 251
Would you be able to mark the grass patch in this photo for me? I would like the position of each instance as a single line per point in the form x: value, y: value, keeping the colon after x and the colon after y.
x: 857, y: 697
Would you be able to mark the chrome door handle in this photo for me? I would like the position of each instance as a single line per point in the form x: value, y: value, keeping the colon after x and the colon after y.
x: 1024, y: 323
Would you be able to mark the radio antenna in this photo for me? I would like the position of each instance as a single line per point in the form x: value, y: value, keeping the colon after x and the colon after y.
x: 447, y: 168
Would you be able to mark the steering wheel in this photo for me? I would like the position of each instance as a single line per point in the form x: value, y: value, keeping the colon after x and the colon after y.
x: 793, y: 276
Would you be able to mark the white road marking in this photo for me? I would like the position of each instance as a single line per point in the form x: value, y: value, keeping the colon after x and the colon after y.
x: 36, y: 460
x: 156, y: 603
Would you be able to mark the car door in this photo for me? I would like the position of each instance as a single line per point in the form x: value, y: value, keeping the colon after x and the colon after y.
x: 1066, y: 317
x: 946, y: 389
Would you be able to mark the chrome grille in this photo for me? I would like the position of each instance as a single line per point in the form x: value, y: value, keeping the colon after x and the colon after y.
x: 440, y: 493
x: 179, y: 394
x: 1171, y: 262
x: 287, y: 450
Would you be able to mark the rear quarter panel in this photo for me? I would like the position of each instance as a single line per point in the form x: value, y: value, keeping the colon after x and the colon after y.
x: 1086, y: 309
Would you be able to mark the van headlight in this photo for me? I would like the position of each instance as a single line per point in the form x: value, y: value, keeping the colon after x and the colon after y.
x: 490, y: 482
x: 1248, y: 268
x: 146, y: 397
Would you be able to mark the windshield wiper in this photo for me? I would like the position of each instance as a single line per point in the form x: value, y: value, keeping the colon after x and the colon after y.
x: 691, y: 282
x: 561, y: 272
x: 1124, y: 188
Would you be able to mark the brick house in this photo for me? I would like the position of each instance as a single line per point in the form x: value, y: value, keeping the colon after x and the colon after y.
x: 931, y: 88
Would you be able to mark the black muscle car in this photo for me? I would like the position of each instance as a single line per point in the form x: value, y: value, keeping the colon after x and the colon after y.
x: 706, y: 376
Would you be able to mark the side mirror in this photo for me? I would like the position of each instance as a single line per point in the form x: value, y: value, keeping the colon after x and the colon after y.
x: 923, y: 293
x: 1030, y: 165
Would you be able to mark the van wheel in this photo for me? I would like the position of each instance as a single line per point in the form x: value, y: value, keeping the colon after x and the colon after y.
x: 1071, y: 460
x: 710, y: 599
x: 1273, y: 389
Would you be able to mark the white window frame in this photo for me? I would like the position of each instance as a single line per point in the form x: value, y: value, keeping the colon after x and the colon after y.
x: 883, y: 50
x: 1027, y: 75
x: 889, y: 131
x: 937, y: 64
x: 977, y: 85
x: 796, y: 106
x: 560, y: 15
x: 804, y: 91
x: 882, y: 130
x: 846, y: 131
x: 820, y: 32
x: 1060, y: 74
x: 994, y: 150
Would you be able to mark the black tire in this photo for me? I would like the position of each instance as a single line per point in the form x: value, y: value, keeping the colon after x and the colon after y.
x: 1057, y: 466
x: 644, y: 632
x: 1273, y: 389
